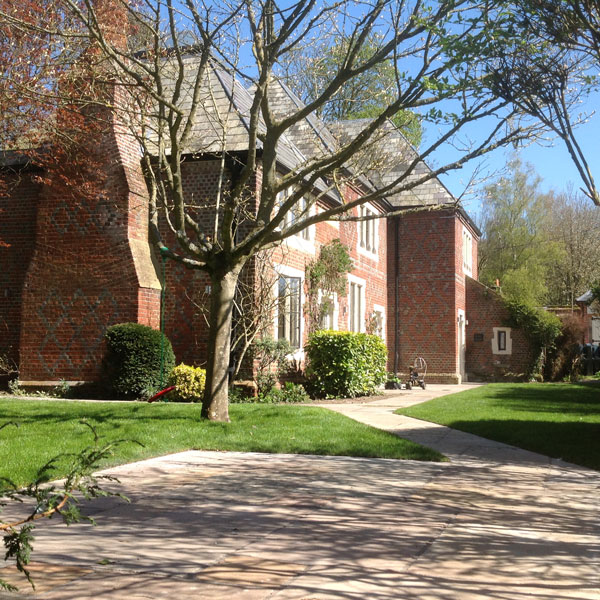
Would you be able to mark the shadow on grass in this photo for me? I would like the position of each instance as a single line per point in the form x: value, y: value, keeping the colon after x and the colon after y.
x: 576, y: 442
x: 551, y: 398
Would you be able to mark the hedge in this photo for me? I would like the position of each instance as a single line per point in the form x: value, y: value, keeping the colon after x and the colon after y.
x: 344, y: 364
x: 135, y: 356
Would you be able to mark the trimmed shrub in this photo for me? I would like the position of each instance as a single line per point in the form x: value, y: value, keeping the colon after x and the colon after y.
x: 342, y: 364
x: 189, y: 383
x: 132, y: 364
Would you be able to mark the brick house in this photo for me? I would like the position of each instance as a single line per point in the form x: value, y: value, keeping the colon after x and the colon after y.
x: 590, y: 318
x: 68, y: 272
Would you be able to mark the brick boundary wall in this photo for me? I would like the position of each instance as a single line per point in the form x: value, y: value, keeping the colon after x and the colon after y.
x: 486, y: 311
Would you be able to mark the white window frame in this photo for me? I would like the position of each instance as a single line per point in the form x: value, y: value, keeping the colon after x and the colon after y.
x: 495, y: 339
x: 334, y: 224
x: 335, y: 317
x: 467, y: 252
x: 595, y: 330
x: 352, y: 279
x: 285, y: 271
x: 305, y: 239
x: 381, y: 309
x: 368, y: 232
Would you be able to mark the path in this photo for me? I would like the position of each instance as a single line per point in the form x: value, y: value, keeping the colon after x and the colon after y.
x: 493, y: 523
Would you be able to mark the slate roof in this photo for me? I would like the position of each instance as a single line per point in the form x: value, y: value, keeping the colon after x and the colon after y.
x: 395, y: 154
x: 224, y: 105
x: 227, y: 103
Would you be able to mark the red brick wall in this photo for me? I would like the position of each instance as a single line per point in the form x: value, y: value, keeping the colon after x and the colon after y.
x: 371, y: 269
x: 429, y: 291
x: 486, y: 311
x: 187, y: 290
x: 18, y: 208
x: 91, y: 267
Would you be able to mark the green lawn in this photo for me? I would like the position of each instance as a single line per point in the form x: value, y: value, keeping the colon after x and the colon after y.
x: 47, y: 428
x: 558, y: 420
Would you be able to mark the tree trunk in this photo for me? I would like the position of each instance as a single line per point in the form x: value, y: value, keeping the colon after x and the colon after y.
x: 215, y: 405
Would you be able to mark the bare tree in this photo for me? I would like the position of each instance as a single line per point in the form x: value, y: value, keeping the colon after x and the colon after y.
x: 552, y: 68
x: 575, y: 225
x: 207, y: 84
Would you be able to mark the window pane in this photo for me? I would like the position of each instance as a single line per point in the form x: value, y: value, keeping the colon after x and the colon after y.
x: 502, y: 340
x: 294, y: 304
x: 289, y: 310
x: 281, y: 324
x: 355, y: 306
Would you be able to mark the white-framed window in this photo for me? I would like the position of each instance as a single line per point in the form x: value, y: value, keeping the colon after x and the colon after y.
x: 330, y: 312
x: 377, y: 319
x: 368, y: 232
x: 290, y: 298
x: 299, y: 210
x: 304, y: 240
x: 467, y: 251
x: 356, y: 303
x: 334, y: 224
x: 501, y: 341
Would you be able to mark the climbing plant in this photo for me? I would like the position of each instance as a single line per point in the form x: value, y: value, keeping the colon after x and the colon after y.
x: 325, y: 277
x: 541, y: 328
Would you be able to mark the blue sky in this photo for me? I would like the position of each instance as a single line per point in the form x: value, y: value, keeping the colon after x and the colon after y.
x: 553, y: 164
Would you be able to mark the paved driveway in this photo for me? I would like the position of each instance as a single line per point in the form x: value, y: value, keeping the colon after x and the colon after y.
x: 493, y: 523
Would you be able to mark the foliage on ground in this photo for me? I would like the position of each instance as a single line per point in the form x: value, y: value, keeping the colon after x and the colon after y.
x: 39, y: 499
x: 558, y: 420
x: 51, y: 427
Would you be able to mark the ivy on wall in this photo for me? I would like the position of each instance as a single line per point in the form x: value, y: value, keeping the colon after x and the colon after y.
x: 539, y: 326
x: 325, y: 277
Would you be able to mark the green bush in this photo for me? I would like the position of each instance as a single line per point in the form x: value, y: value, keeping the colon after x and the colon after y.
x: 290, y: 393
x: 134, y: 355
x: 344, y: 364
x: 539, y: 326
x: 270, y: 360
x: 189, y: 383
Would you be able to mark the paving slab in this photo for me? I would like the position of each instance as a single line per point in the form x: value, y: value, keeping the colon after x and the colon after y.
x: 494, y: 522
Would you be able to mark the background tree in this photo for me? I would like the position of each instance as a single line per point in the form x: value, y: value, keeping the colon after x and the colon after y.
x: 517, y: 246
x: 575, y: 225
x: 552, y: 68
x: 540, y: 246
x: 308, y: 69
x: 441, y: 52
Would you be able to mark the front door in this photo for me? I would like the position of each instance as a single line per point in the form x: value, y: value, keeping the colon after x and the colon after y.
x: 461, y: 346
x: 595, y: 330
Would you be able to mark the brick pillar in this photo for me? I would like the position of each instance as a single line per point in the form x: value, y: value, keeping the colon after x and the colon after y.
x: 92, y: 265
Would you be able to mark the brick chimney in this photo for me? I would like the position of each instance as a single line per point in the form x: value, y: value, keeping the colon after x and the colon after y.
x: 92, y: 265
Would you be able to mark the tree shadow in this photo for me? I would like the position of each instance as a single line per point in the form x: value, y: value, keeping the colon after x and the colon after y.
x: 352, y: 528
